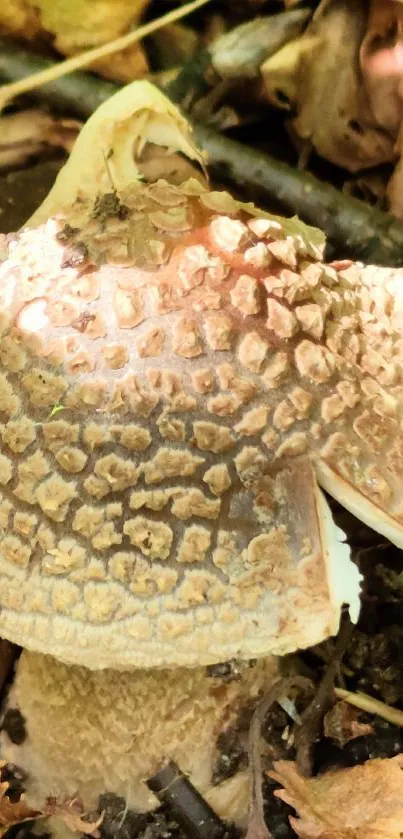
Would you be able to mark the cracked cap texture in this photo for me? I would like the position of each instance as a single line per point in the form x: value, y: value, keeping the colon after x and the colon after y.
x: 176, y: 373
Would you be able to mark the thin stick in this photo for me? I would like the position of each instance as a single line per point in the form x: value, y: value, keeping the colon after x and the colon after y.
x: 194, y: 815
x: 257, y: 828
x: 312, y: 717
x: 9, y: 91
x: 371, y: 705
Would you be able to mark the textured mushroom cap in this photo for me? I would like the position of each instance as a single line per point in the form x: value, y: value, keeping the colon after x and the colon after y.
x: 171, y: 364
x: 167, y: 360
x: 123, y: 727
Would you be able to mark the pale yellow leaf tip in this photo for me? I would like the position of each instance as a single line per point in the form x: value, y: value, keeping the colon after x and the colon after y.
x: 105, y: 153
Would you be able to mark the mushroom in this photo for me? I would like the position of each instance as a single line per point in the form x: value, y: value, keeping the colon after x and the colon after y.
x: 180, y: 373
x: 95, y: 732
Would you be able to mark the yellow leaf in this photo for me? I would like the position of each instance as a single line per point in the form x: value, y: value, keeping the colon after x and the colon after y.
x: 77, y: 25
x: 105, y: 153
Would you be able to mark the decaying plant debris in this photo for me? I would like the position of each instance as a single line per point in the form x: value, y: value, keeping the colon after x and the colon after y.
x: 303, y: 112
x: 14, y: 810
x: 342, y: 803
x: 291, y: 75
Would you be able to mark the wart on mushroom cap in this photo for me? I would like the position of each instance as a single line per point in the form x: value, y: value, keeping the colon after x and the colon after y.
x: 177, y: 370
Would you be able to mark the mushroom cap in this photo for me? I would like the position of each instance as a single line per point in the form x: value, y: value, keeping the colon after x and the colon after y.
x: 124, y: 727
x: 177, y: 370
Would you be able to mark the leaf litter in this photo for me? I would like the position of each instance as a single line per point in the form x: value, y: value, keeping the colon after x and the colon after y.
x: 360, y: 802
x: 70, y: 811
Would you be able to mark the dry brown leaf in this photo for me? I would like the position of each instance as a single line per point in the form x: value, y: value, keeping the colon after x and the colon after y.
x: 341, y: 724
x: 28, y: 133
x: 281, y: 72
x: 395, y: 186
x: 97, y: 55
x: 381, y: 62
x: 13, y: 812
x: 361, y: 802
x: 333, y: 113
x: 72, y: 813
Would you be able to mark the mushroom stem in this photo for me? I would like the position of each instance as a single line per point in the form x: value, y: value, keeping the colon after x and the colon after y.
x: 124, y: 726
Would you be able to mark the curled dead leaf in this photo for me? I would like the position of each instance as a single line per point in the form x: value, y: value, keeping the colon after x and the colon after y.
x: 318, y: 77
x: 28, y: 133
x: 72, y: 813
x: 381, y: 62
x: 359, y: 802
x: 139, y: 115
x: 13, y: 812
x: 238, y: 53
x: 342, y: 724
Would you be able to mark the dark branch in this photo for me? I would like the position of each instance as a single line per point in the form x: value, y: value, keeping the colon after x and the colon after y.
x: 188, y: 807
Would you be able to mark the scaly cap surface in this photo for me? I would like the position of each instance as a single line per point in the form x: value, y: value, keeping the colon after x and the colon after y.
x: 176, y: 368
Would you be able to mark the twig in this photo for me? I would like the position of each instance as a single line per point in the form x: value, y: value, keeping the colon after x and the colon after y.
x: 79, y: 93
x: 373, y: 706
x: 312, y: 718
x: 193, y: 814
x: 355, y: 229
x: 62, y: 68
x: 257, y: 828
x: 256, y: 824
